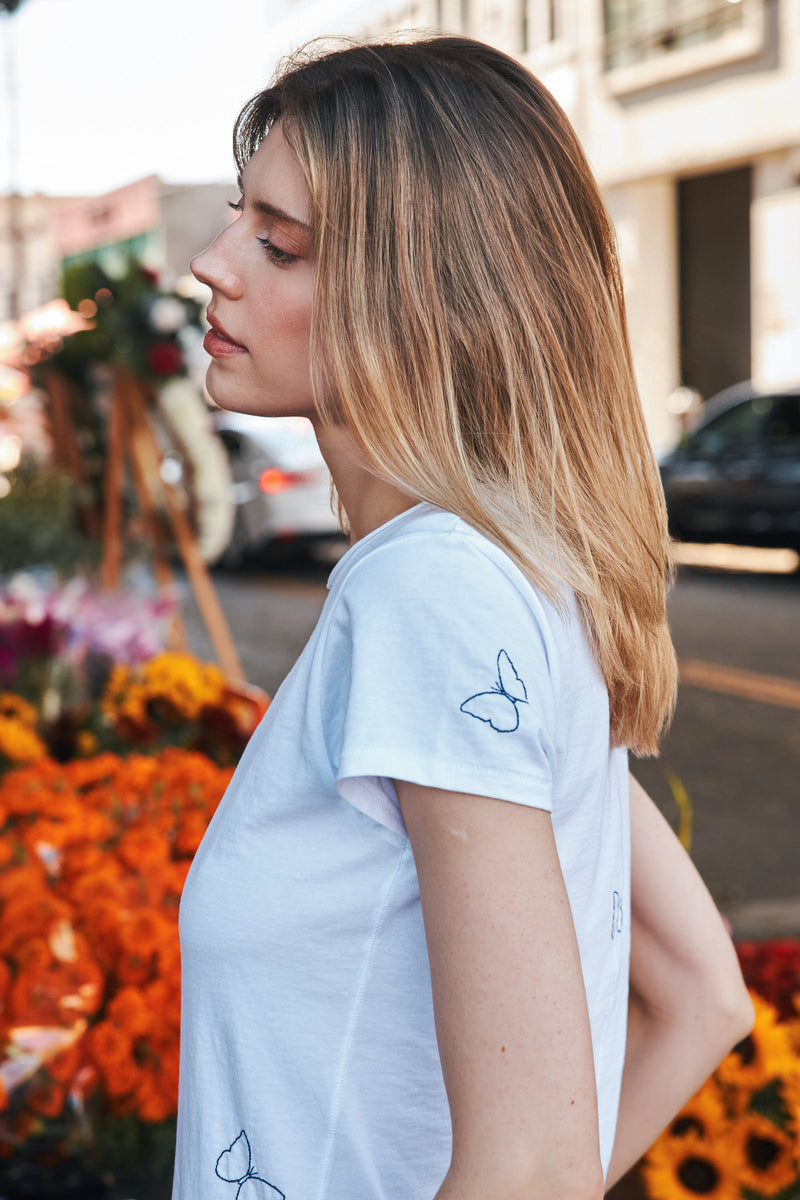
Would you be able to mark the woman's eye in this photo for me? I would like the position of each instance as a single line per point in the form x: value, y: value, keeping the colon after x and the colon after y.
x: 281, y: 257
x: 237, y: 207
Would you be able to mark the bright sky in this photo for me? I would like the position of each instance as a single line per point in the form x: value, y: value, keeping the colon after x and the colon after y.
x: 111, y: 90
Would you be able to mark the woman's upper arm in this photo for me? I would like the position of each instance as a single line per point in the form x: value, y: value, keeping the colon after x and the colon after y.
x: 511, y: 1016
x: 681, y: 953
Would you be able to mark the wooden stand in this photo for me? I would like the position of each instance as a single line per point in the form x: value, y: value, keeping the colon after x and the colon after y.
x: 130, y: 434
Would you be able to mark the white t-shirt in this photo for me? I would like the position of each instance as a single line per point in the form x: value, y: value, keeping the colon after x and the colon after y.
x: 309, y: 1062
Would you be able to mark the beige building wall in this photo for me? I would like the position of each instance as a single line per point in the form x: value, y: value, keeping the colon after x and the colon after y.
x: 27, y: 238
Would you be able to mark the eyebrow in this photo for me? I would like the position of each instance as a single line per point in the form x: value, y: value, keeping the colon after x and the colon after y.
x: 272, y: 210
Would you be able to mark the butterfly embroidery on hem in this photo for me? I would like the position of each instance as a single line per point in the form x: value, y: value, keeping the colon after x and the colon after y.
x: 235, y: 1165
x: 498, y: 707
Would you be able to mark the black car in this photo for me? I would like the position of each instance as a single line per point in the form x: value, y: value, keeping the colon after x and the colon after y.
x: 736, y: 477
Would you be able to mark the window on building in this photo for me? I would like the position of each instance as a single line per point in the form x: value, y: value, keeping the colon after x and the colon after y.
x: 541, y: 24
x: 639, y: 30
x: 555, y: 20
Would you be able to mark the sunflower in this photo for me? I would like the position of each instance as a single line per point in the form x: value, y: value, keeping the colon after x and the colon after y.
x: 790, y: 1095
x: 704, y: 1114
x: 765, y: 1053
x: 13, y: 707
x: 688, y: 1166
x: 767, y: 1163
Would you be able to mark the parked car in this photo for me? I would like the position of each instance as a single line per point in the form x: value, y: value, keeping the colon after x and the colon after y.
x: 736, y: 476
x: 281, y: 485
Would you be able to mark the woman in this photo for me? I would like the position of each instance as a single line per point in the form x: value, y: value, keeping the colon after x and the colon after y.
x: 406, y: 934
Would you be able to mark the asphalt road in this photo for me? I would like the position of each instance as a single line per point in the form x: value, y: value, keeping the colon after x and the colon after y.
x: 731, y: 761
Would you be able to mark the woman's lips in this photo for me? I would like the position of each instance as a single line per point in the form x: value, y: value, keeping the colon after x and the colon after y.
x: 218, y: 344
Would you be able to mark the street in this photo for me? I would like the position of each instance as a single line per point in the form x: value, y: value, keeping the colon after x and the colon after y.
x: 731, y: 761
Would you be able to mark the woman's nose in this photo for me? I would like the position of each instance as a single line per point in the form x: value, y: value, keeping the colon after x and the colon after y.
x: 211, y: 268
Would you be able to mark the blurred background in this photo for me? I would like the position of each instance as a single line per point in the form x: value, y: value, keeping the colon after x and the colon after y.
x: 144, y: 536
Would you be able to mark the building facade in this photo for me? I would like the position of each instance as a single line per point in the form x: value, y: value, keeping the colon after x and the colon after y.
x: 689, y: 111
x: 160, y: 225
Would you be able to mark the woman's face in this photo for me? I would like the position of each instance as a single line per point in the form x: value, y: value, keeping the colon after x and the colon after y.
x: 261, y: 275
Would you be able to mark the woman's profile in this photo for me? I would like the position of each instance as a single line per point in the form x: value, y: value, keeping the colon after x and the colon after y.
x: 435, y: 942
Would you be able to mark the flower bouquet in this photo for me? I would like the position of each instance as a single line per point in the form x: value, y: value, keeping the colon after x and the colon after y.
x: 93, y: 855
x: 739, y: 1137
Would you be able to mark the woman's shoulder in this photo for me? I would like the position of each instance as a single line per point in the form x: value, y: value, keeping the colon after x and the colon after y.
x: 429, y: 549
x: 430, y: 578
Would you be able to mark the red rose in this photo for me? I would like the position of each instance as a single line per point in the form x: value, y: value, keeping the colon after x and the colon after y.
x: 164, y: 359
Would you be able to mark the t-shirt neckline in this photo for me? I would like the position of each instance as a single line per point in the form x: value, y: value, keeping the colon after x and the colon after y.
x: 353, y: 552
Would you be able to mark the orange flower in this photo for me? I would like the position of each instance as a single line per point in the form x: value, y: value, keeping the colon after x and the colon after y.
x: 760, y: 1057
x: 190, y: 832
x: 8, y: 850
x: 153, y: 1102
x: 140, y: 847
x: 17, y: 881
x: 86, y: 743
x: 96, y: 854
x: 47, y: 1098
x: 109, y: 1045
x: 54, y: 995
x: 768, y: 1163
x: 65, y: 1065
x: 19, y: 743
x: 29, y: 914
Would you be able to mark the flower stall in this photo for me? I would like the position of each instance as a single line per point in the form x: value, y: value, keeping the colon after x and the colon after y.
x: 93, y: 854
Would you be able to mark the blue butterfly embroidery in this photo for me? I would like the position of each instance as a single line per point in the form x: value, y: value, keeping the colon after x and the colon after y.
x: 235, y: 1165
x: 498, y: 707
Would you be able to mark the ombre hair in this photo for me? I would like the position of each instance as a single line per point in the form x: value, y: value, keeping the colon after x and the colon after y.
x: 468, y: 328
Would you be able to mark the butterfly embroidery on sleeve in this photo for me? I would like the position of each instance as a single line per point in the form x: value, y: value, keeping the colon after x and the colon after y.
x: 235, y: 1165
x: 499, y: 706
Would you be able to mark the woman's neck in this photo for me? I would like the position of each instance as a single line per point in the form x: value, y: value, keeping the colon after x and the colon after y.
x: 367, y: 500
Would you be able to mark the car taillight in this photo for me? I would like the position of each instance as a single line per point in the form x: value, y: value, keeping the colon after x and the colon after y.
x: 273, y: 480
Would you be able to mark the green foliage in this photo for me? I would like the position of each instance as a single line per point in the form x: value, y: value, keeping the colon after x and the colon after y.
x: 39, y: 522
x: 124, y: 333
x: 141, y: 1156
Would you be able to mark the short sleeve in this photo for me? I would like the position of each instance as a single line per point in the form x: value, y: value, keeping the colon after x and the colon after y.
x: 438, y: 671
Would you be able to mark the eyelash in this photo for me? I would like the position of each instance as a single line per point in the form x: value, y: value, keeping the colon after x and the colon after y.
x: 281, y: 258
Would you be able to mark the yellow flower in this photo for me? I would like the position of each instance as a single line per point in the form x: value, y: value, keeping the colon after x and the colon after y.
x: 86, y: 743
x: 180, y: 681
x: 687, y: 1167
x: 704, y: 1114
x: 14, y: 706
x: 767, y: 1160
x: 19, y: 743
x: 762, y: 1056
x: 790, y: 1095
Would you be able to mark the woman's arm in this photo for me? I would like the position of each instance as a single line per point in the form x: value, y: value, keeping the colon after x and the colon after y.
x: 511, y: 1017
x: 688, y: 1003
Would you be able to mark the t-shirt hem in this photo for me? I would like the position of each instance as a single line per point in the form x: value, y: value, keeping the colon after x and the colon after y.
x: 448, y: 774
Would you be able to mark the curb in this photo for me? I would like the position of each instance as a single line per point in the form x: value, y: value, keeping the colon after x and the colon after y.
x: 765, y: 919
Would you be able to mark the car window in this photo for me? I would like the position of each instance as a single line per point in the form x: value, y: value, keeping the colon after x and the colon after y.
x: 737, y: 426
x: 782, y: 426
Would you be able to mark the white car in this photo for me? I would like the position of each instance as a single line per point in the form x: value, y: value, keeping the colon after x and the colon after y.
x: 281, y: 485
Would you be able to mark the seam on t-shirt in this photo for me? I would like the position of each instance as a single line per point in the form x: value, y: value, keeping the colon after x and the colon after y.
x: 355, y: 1013
x: 455, y: 764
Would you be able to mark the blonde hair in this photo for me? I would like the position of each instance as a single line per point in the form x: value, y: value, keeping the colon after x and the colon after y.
x: 469, y: 328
